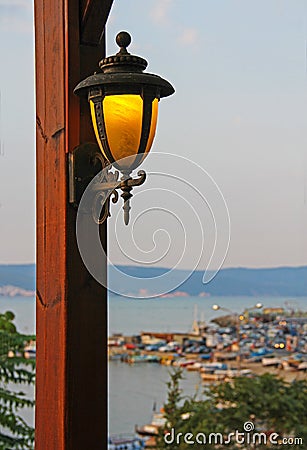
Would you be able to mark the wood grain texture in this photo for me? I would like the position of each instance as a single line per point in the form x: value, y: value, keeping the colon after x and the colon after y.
x: 51, y: 223
x: 93, y: 16
x: 71, y: 380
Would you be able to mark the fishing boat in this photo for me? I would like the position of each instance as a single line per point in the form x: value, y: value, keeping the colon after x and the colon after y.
x: 212, y: 376
x: 213, y: 371
x: 235, y: 373
x: 271, y: 360
x: 183, y: 362
x: 197, y: 366
x: 127, y: 442
x: 143, y: 359
x: 211, y: 367
x: 152, y: 429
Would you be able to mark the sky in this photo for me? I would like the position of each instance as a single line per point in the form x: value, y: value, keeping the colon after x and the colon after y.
x: 234, y: 134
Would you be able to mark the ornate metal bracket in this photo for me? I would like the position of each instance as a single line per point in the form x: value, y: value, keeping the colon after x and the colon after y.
x: 85, y: 162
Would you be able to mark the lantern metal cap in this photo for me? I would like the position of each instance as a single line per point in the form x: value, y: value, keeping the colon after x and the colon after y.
x: 123, y: 61
x: 124, y: 71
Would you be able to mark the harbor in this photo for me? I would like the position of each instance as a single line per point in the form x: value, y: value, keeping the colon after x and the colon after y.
x: 271, y: 341
x: 268, y: 341
x: 137, y: 390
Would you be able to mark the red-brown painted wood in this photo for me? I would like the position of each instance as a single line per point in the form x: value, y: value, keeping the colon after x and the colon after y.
x: 71, y: 382
x: 93, y: 13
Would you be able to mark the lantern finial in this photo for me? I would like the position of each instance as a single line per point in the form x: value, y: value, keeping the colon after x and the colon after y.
x: 123, y: 40
x: 123, y: 61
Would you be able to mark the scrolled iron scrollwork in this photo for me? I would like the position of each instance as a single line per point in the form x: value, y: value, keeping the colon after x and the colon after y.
x: 105, y: 185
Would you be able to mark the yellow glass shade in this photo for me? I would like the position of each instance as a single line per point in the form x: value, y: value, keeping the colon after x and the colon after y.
x: 123, y: 115
x: 123, y: 123
x: 153, y: 125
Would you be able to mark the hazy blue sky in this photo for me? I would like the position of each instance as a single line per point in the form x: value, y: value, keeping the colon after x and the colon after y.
x: 17, y: 131
x: 239, y: 69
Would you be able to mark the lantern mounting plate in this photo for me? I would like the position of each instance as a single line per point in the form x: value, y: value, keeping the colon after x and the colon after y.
x: 83, y: 167
x: 84, y: 164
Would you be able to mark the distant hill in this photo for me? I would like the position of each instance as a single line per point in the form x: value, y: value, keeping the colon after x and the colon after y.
x: 280, y: 281
x: 21, y: 275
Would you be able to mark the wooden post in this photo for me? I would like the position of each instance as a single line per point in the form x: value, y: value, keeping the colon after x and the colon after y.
x: 71, y: 380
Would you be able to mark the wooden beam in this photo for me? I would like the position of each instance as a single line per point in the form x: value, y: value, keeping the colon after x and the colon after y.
x: 93, y: 16
x: 71, y: 380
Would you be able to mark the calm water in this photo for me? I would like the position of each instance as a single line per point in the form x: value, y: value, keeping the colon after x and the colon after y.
x: 129, y: 316
x: 133, y: 390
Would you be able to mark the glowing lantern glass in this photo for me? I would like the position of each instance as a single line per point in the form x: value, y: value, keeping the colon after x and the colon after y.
x: 124, y: 106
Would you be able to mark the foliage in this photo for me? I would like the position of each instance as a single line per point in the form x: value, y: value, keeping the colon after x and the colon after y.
x: 15, y: 433
x: 172, y: 409
x: 271, y: 404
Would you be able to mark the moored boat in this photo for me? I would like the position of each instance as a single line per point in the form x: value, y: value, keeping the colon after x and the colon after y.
x: 211, y: 367
x: 152, y: 429
x: 212, y: 376
x: 142, y: 359
x: 195, y: 367
x: 127, y: 442
x: 183, y: 362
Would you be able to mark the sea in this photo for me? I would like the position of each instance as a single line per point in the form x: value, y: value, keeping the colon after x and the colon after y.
x: 136, y: 391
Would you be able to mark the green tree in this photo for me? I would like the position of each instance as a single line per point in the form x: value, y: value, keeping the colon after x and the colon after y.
x: 271, y: 404
x: 15, y: 370
x: 172, y: 408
